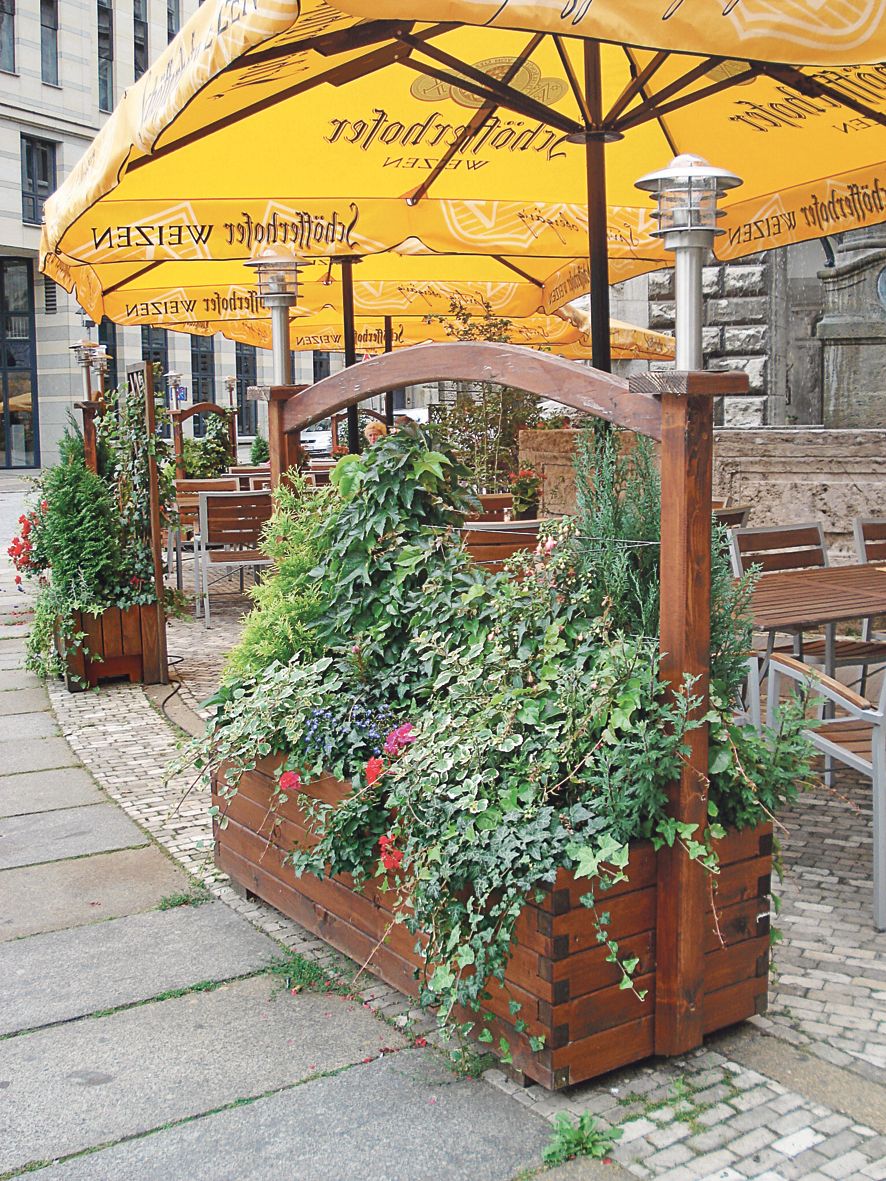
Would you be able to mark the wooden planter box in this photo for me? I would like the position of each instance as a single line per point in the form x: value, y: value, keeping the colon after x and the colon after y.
x: 557, y: 970
x: 129, y: 641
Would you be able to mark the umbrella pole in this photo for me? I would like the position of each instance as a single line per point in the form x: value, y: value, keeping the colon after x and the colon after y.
x: 389, y: 394
x: 595, y: 164
x: 347, y: 303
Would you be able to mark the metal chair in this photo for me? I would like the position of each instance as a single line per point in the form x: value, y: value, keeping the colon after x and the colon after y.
x: 856, y: 737
x: 229, y: 535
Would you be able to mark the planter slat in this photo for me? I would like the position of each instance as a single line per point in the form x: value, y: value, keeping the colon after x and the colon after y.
x: 116, y: 644
x: 557, y: 969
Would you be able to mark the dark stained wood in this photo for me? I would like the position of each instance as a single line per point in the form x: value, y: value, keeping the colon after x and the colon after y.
x: 141, y: 377
x: 278, y: 444
x: 112, y: 633
x: 151, y: 626
x: 570, y: 997
x: 567, y: 382
x: 90, y: 411
x: 705, y: 382
x: 181, y: 416
x: 686, y: 466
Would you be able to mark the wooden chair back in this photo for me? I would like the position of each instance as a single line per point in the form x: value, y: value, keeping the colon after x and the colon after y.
x: 778, y: 547
x: 234, y: 519
x: 260, y: 483
x: 493, y: 506
x: 724, y: 503
x: 187, y: 496
x: 870, y: 540
x: 733, y: 516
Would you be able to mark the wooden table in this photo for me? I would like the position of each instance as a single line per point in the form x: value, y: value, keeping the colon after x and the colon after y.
x: 801, y: 600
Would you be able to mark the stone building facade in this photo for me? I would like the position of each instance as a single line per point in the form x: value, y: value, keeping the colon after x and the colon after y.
x: 807, y: 324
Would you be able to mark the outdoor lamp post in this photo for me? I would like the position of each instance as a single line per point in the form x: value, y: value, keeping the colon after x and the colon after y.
x: 172, y: 383
x: 231, y: 390
x: 84, y: 352
x: 100, y: 363
x: 686, y: 193
x: 278, y: 289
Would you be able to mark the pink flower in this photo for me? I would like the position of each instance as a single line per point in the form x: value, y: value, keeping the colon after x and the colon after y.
x: 290, y: 781
x: 549, y: 545
x: 398, y: 739
x: 374, y: 770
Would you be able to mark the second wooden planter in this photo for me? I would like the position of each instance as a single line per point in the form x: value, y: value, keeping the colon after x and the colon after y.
x: 569, y: 994
x: 127, y: 642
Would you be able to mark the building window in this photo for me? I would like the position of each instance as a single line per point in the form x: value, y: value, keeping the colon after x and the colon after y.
x: 173, y: 18
x: 48, y: 41
x: 105, y: 55
x: 155, y: 350
x: 322, y: 365
x: 140, y: 36
x: 50, y: 297
x: 18, y: 365
x: 202, y: 376
x: 246, y: 369
x: 7, y: 36
x: 38, y: 177
x: 107, y: 335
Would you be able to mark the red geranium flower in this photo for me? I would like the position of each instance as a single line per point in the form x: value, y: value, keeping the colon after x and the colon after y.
x: 391, y: 856
x: 290, y: 781
x: 374, y: 770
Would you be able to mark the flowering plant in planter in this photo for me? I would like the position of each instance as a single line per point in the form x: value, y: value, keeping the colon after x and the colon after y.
x: 525, y: 486
x: 86, y: 540
x: 519, y: 725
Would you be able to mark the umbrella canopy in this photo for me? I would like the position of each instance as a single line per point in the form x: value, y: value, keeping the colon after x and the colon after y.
x: 317, y: 131
x: 567, y: 337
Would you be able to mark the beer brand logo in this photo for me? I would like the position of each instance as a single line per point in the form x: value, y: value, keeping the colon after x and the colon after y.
x: 528, y: 79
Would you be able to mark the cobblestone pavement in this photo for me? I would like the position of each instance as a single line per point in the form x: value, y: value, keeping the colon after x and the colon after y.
x: 798, y: 1093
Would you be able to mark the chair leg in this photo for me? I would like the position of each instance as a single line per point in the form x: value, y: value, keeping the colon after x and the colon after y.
x: 204, y: 570
x: 197, y: 581
x: 878, y: 793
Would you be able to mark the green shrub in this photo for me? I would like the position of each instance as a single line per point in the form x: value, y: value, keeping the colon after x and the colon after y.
x: 289, y: 602
x: 259, y: 452
x: 210, y: 456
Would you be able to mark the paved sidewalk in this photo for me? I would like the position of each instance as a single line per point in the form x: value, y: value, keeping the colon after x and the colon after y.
x: 148, y: 1043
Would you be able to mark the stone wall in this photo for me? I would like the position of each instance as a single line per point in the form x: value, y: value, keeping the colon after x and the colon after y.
x: 786, y: 475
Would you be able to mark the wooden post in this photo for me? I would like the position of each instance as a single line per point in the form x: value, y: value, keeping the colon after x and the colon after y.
x: 278, y: 442
x: 178, y: 445
x: 156, y: 669
x: 685, y: 629
x: 90, y: 410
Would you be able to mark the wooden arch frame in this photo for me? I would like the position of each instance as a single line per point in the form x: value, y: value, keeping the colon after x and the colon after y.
x: 179, y: 417
x: 677, y: 410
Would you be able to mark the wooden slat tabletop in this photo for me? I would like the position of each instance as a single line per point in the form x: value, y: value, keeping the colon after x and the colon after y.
x: 810, y: 598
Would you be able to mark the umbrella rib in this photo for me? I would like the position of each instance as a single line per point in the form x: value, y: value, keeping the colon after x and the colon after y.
x: 577, y: 92
x: 131, y: 278
x: 476, y: 122
x: 652, y: 109
x: 327, y: 45
x: 336, y: 76
x: 665, y: 130
x: 485, y: 86
x: 523, y: 274
x: 636, y: 86
x: 812, y: 87
x: 654, y: 103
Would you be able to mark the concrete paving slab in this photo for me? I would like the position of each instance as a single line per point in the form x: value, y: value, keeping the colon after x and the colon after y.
x: 43, y: 754
x: 588, y: 1169
x: 12, y: 631
x: 74, y: 1086
x: 18, y: 679
x: 69, y: 832
x: 12, y: 661
x: 24, y: 700
x: 35, y: 791
x: 63, y: 894
x: 88, y: 969
x: 401, y: 1118
x: 26, y: 726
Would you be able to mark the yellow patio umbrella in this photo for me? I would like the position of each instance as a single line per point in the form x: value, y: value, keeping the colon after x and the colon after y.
x: 567, y: 337
x: 324, y: 130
